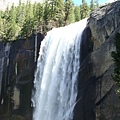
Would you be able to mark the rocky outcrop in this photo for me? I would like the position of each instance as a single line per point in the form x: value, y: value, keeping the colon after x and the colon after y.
x: 103, y: 22
x: 18, y: 62
x: 97, y: 99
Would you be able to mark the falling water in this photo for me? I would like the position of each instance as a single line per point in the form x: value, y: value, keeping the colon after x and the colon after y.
x: 56, y: 75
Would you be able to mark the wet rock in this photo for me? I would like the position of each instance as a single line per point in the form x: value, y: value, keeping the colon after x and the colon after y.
x: 18, y: 62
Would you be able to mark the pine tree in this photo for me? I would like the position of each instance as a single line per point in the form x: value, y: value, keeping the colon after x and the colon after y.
x: 38, y: 11
x: 92, y: 5
x: 56, y: 11
x: 96, y: 4
x: 20, y: 14
x: 84, y: 9
x: 5, y: 16
x: 69, y: 11
x: 29, y: 23
x: 12, y: 30
x: 46, y: 12
x: 26, y: 18
x: 77, y: 13
x: 1, y: 26
x: 59, y: 12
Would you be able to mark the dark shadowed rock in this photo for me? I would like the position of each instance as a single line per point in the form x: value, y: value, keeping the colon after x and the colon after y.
x: 18, y: 62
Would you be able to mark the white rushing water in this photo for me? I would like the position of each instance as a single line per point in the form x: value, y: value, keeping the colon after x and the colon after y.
x: 56, y: 75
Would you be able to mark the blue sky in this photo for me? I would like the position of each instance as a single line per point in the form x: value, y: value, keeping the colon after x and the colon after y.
x: 78, y: 2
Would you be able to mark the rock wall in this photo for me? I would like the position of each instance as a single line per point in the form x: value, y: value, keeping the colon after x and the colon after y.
x: 97, y: 99
x: 107, y: 22
x: 18, y: 62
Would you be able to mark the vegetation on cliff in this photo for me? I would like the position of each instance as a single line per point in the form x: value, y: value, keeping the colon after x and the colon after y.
x: 23, y: 20
x: 116, y: 58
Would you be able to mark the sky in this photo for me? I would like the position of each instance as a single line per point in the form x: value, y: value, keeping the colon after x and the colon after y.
x: 78, y: 2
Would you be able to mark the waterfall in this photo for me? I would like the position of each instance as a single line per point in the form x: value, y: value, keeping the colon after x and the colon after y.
x: 55, y: 80
x: 35, y: 57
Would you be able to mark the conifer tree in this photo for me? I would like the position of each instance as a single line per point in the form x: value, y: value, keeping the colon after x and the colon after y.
x: 12, y: 29
x: 69, y: 11
x: 96, y: 3
x: 20, y: 14
x: 84, y: 9
x: 77, y: 13
x: 5, y: 17
x: 34, y: 8
x: 26, y: 18
x: 56, y: 11
x: 0, y: 20
x: 1, y: 26
x: 46, y: 12
x: 38, y: 16
x: 39, y: 12
x: 29, y: 23
x: 59, y: 12
x: 92, y: 5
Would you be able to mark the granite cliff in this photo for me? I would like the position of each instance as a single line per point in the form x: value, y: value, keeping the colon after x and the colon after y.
x: 97, y: 99
x: 18, y: 63
x: 104, y: 24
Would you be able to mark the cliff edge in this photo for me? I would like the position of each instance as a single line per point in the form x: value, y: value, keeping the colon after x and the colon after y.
x: 99, y: 101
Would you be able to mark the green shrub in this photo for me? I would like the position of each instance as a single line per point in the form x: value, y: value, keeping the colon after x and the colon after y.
x: 116, y: 58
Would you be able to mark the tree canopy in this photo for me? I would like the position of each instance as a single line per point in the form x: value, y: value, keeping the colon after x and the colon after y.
x: 26, y: 18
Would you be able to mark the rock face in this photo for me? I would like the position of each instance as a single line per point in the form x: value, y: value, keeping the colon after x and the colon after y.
x: 18, y: 62
x: 103, y: 22
x: 97, y: 99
